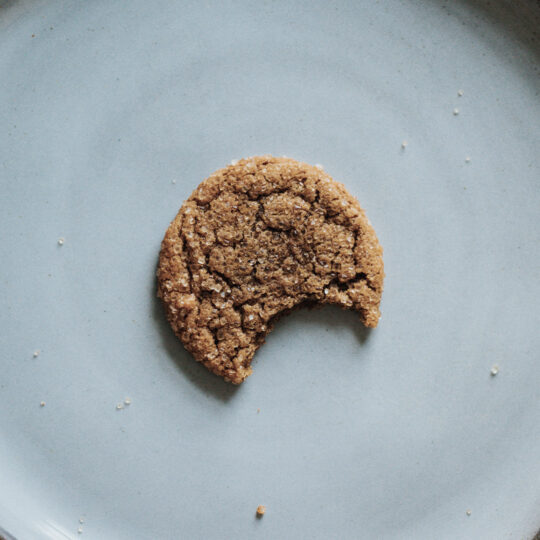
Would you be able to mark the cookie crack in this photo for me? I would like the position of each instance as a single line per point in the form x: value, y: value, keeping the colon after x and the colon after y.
x: 345, y: 285
x: 223, y: 277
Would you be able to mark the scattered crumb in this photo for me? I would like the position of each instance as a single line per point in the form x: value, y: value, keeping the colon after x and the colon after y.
x: 261, y: 510
x: 119, y: 406
x: 42, y: 404
x: 468, y: 512
x: 258, y: 411
x: 460, y: 93
x: 33, y: 35
x: 127, y: 401
x: 80, y: 530
x: 467, y: 159
x: 494, y: 370
x: 36, y: 353
x: 81, y: 520
x: 456, y: 112
x: 60, y: 241
x: 404, y: 145
x: 173, y: 181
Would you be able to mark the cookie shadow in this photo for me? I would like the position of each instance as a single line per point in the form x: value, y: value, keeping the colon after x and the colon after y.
x: 194, y: 371
x: 327, y: 318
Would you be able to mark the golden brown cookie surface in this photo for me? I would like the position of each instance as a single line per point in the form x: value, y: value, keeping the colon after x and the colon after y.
x: 254, y: 241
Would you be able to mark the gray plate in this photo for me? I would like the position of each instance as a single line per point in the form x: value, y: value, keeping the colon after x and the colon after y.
x: 112, y: 112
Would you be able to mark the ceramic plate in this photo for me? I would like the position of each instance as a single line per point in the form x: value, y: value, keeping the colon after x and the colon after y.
x: 111, y: 114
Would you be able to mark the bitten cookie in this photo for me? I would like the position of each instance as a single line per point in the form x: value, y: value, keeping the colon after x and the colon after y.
x: 254, y: 241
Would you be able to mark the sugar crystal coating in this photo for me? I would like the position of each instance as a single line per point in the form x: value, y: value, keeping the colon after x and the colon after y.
x: 254, y: 241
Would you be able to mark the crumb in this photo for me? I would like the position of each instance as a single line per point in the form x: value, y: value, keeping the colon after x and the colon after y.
x: 456, y: 112
x: 494, y: 370
x: 36, y: 353
x: 42, y: 404
x: 261, y: 510
x: 80, y: 530
x: 404, y: 145
x: 33, y: 35
x: 119, y: 406
x: 468, y: 512
x: 60, y: 241
x: 467, y: 159
x: 173, y: 181
x: 127, y: 401
x: 460, y: 93
x: 258, y: 411
x: 81, y: 520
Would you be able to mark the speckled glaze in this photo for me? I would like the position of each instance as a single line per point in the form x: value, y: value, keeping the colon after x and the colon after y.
x: 112, y: 113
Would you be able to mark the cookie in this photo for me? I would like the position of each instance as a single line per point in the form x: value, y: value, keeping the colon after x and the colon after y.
x: 254, y: 241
